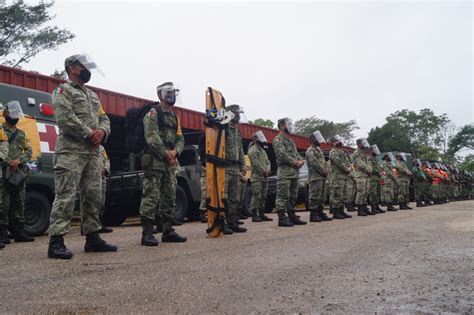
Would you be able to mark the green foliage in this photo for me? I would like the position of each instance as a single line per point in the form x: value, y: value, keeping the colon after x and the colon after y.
x: 60, y: 74
x: 464, y: 139
x: 24, y: 32
x: 468, y: 163
x: 262, y: 122
x: 423, y: 134
x: 329, y: 129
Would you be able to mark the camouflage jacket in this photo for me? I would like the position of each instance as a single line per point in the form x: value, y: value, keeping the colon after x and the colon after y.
x: 387, y: 168
x: 317, y: 168
x: 20, y: 148
x: 339, y: 163
x: 159, y: 139
x: 3, y: 146
x: 105, y: 161
x: 234, y: 150
x: 78, y: 111
x: 402, y: 169
x: 361, y: 163
x: 286, y: 156
x: 259, y: 163
x: 376, y: 167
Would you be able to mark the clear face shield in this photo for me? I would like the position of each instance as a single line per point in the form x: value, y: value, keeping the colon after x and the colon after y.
x: 365, y: 143
x: 319, y: 137
x: 392, y: 158
x: 289, y: 125
x: 87, y: 62
x: 403, y: 156
x: 261, y: 137
x: 13, y: 110
x: 375, y: 149
x: 169, y: 93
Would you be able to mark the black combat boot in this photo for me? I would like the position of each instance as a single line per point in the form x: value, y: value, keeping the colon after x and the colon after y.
x: 170, y: 236
x: 159, y: 226
x: 4, y: 239
x: 347, y: 215
x: 255, y: 216
x: 390, y: 207
x: 294, y: 219
x: 361, y: 211
x: 313, y: 216
x: 419, y: 204
x: 350, y: 207
x: 404, y: 206
x: 368, y: 211
x: 226, y: 230
x: 175, y: 222
x: 323, y: 215
x: 203, y: 216
x: 264, y: 217
x: 57, y: 249
x: 20, y: 234
x: 147, y: 235
x: 234, y: 226
x: 95, y: 244
x: 283, y: 220
x: 338, y: 213
x: 241, y: 214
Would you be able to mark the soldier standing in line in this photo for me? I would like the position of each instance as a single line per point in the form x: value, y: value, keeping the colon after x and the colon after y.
x: 350, y: 190
x: 83, y: 126
x: 374, y: 182
x: 419, y: 176
x: 404, y: 175
x: 105, y: 166
x: 389, y: 181
x: 340, y: 169
x: 260, y: 166
x: 289, y: 162
x: 164, y: 141
x: 3, y: 211
x: 317, y: 174
x: 234, y: 153
x: 363, y: 172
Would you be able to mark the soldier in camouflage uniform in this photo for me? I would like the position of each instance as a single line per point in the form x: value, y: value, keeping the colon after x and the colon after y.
x: 105, y: 166
x: 289, y: 162
x: 350, y: 190
x: 339, y: 171
x: 19, y: 154
x: 4, y: 220
x: 404, y: 175
x: 374, y: 182
x: 260, y: 170
x: 83, y: 126
x: 419, y: 176
x: 234, y: 153
x: 164, y: 141
x: 363, y: 172
x: 317, y: 174
x: 389, y: 181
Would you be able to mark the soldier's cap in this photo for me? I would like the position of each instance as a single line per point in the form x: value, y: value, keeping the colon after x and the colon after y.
x: 234, y: 108
x: 79, y: 59
x: 166, y: 86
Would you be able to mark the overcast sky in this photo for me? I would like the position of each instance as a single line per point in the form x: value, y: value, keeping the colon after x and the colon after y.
x: 338, y: 61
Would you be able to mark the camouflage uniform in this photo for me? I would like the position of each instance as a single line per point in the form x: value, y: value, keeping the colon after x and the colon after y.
x: 203, y: 182
x: 317, y: 172
x: 287, y: 175
x: 374, y: 182
x: 105, y: 166
x: 350, y: 190
x: 403, y: 182
x: 338, y: 177
x: 14, y: 196
x: 389, y: 182
x: 234, y: 153
x: 3, y: 157
x: 259, y: 164
x: 76, y: 161
x: 160, y: 178
x: 362, y: 168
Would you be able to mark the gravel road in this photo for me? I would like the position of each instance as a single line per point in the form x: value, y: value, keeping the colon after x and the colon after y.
x: 412, y: 261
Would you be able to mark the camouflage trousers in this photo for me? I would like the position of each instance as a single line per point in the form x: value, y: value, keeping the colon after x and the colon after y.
x: 403, y: 190
x: 349, y: 191
x: 259, y: 195
x: 362, y: 188
x: 316, y: 193
x: 73, y: 172
x: 337, y: 187
x: 242, y: 186
x: 203, y: 181
x: 104, y: 192
x: 374, y: 191
x: 419, y: 191
x: 287, y: 194
x: 159, y: 196
x: 232, y: 195
x: 13, y: 204
x: 388, y: 191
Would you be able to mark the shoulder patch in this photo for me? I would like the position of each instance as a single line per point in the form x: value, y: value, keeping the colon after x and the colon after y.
x: 151, y: 113
x: 58, y: 90
x: 101, y: 110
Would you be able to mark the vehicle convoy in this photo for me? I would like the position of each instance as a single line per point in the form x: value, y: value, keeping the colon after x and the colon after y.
x: 123, y: 184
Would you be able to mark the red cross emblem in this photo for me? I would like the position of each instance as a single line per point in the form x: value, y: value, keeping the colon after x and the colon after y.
x: 48, y: 136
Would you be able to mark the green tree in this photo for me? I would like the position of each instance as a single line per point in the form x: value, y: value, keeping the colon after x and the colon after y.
x: 60, y: 74
x: 464, y: 139
x: 468, y: 163
x: 423, y: 134
x: 329, y: 129
x: 24, y: 33
x: 262, y: 122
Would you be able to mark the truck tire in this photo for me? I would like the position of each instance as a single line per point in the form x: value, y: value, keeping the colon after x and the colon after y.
x: 37, y: 213
x: 181, y: 211
x: 113, y: 217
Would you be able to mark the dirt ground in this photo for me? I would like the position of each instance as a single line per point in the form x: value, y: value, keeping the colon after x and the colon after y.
x: 412, y: 261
